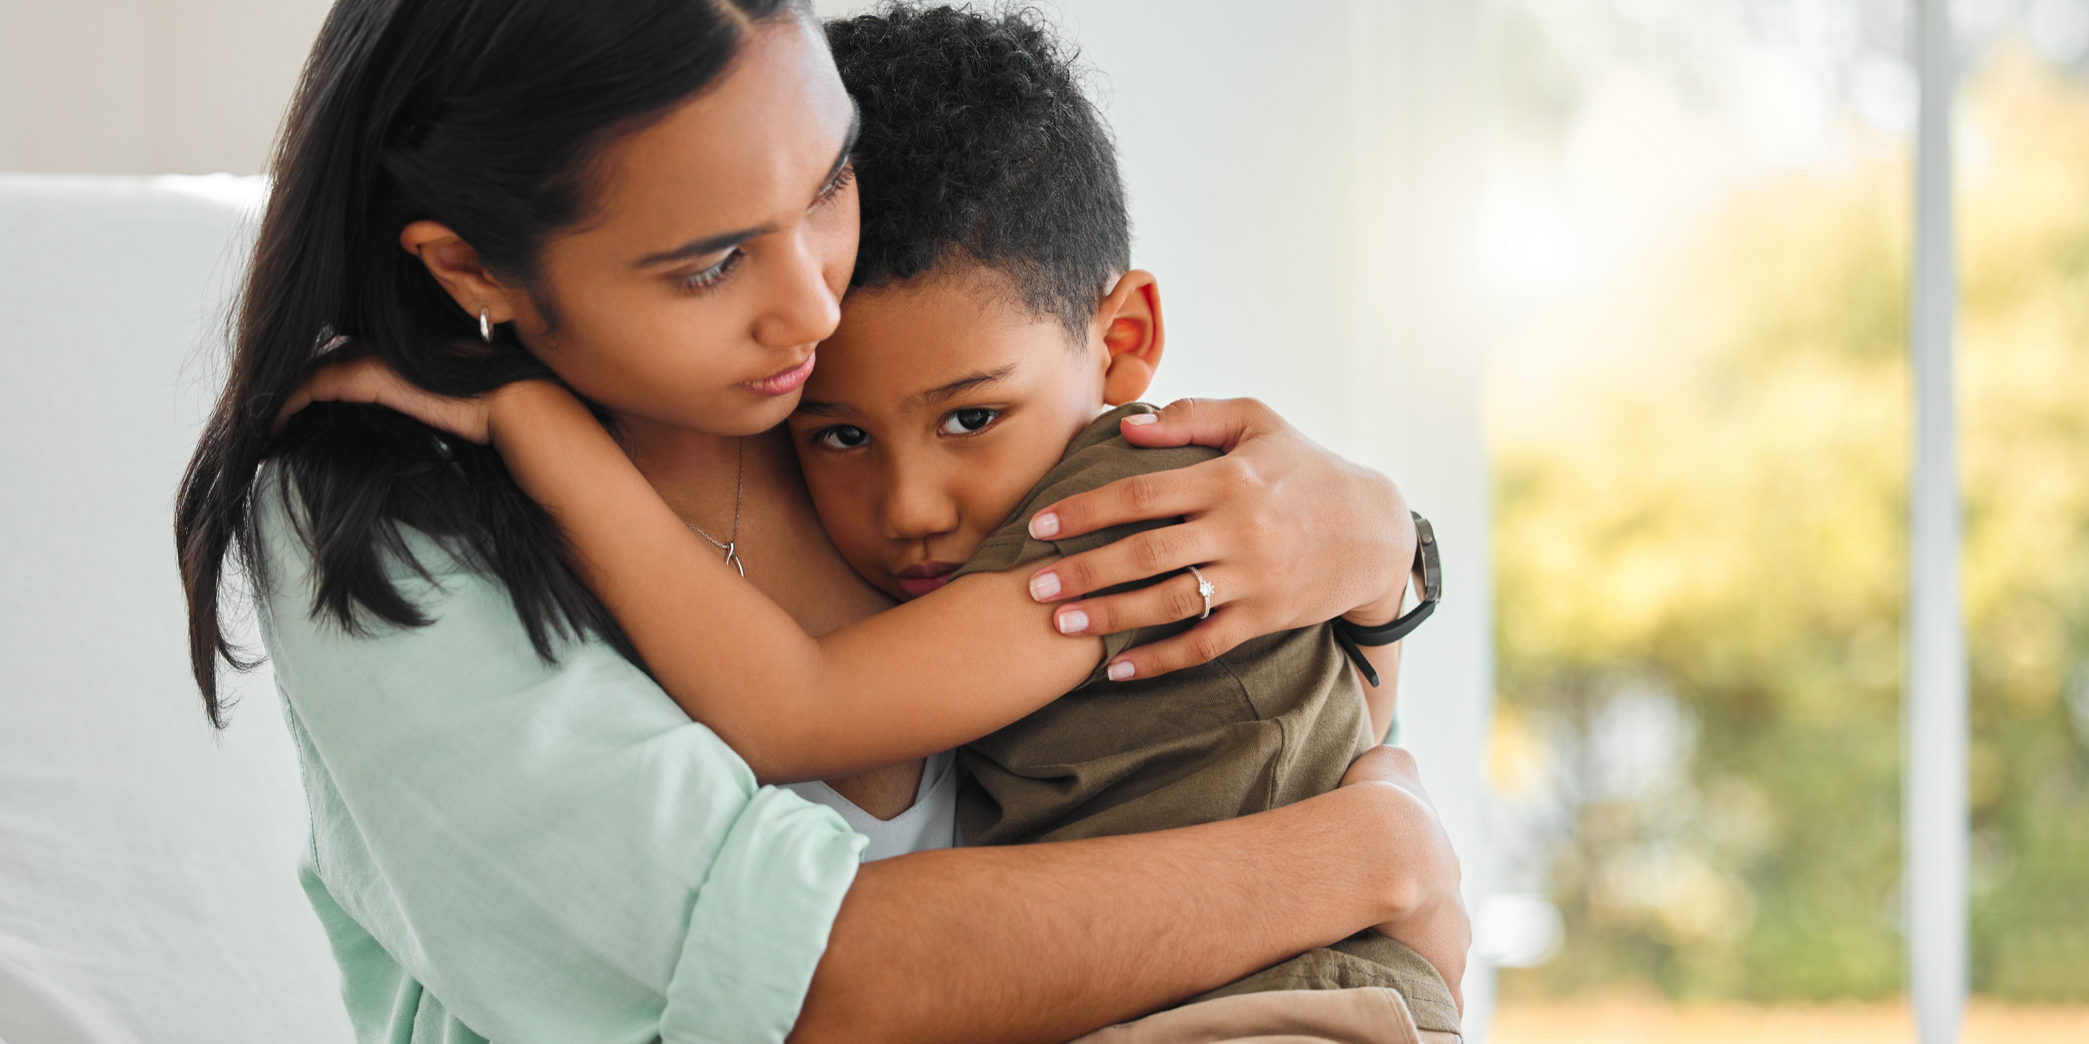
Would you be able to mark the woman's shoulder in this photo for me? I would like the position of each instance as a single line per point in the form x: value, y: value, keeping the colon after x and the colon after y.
x: 464, y: 672
x: 437, y: 590
x: 368, y: 519
x: 289, y: 541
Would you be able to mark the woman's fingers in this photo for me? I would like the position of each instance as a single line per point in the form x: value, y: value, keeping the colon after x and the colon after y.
x: 1203, y: 643
x: 1171, y: 601
x: 1218, y: 423
x: 1151, y: 497
x: 1140, y: 556
x: 1162, y: 495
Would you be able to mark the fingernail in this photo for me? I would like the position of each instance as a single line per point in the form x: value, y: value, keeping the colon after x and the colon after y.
x: 1044, y: 586
x: 1143, y: 419
x: 1073, y: 621
x: 1045, y: 527
x: 1121, y: 670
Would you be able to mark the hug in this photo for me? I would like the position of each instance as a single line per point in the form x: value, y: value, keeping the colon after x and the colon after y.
x: 723, y: 585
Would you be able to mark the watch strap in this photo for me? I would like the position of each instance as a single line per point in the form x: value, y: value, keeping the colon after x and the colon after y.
x: 1428, y: 569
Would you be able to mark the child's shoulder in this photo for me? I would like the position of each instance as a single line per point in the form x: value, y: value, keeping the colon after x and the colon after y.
x: 1100, y: 455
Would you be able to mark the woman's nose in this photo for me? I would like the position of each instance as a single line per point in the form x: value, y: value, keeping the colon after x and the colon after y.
x: 802, y: 308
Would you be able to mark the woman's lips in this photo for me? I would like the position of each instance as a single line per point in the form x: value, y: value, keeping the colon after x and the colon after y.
x: 786, y: 382
x: 921, y: 579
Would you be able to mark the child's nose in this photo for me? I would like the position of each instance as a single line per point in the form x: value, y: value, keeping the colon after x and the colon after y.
x: 918, y: 506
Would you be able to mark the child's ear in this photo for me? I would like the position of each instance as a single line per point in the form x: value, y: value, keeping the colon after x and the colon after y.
x: 456, y: 266
x: 1130, y: 321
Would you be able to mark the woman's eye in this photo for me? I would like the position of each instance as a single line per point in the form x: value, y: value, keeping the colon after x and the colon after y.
x: 969, y: 421
x: 710, y: 277
x: 834, y: 188
x: 841, y: 437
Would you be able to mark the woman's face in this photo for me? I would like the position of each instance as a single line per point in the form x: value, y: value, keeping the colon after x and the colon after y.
x: 721, y: 243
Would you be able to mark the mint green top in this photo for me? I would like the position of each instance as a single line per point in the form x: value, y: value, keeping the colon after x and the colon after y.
x: 503, y: 849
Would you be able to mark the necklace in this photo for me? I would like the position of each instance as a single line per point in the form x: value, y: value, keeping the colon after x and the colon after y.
x: 731, y: 546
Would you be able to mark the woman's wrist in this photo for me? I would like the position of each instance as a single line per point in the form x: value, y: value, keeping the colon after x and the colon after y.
x: 1382, y: 610
x: 1386, y: 608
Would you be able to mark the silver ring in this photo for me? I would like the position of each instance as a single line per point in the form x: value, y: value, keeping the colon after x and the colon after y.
x: 1204, y: 590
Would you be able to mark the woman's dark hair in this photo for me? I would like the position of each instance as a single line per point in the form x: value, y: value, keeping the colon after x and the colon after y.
x: 487, y: 116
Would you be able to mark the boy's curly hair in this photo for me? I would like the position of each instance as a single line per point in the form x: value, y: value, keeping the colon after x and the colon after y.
x: 978, y: 146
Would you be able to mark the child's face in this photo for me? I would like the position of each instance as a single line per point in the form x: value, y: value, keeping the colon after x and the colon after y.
x: 936, y: 406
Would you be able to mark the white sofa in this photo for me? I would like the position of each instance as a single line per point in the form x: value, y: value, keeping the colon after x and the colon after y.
x: 147, y: 865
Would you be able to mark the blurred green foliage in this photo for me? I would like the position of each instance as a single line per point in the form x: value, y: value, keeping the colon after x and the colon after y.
x: 1710, y: 514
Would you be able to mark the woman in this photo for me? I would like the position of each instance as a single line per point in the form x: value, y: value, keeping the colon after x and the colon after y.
x: 515, y: 835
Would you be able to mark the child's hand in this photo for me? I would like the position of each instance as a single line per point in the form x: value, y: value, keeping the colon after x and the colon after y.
x: 370, y: 380
x: 1433, y: 922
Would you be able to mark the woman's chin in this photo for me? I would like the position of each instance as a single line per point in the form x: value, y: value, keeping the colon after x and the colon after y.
x: 730, y: 413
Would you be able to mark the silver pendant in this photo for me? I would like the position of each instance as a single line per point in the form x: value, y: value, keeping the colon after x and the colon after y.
x: 732, y: 558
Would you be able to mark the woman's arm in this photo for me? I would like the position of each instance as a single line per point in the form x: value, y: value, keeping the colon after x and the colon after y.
x: 1045, y: 942
x: 595, y: 856
x: 1381, y: 699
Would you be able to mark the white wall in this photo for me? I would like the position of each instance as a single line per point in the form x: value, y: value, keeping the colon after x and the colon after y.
x: 147, y: 86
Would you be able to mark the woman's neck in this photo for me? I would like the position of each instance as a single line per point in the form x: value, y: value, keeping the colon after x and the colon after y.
x: 708, y: 479
x: 696, y: 472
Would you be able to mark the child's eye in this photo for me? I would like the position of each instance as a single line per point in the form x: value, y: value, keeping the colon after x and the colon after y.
x: 969, y: 421
x: 841, y: 437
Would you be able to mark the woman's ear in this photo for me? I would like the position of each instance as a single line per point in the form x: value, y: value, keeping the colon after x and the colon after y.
x: 455, y: 265
x: 1130, y: 321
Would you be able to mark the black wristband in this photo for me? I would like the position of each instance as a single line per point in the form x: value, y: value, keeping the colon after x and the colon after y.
x: 1429, y: 570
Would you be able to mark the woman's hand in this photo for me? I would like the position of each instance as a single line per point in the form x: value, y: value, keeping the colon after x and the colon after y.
x: 1287, y: 534
x: 1430, y: 915
x: 369, y: 380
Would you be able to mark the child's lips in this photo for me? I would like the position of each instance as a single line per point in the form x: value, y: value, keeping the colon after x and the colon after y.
x: 920, y: 579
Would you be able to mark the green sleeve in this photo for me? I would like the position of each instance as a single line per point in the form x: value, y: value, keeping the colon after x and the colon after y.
x: 508, y: 849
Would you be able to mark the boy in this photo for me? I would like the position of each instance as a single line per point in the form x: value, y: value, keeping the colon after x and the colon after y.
x: 992, y: 321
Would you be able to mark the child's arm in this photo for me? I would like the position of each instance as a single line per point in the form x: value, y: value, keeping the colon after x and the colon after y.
x: 903, y: 684
x: 926, y: 676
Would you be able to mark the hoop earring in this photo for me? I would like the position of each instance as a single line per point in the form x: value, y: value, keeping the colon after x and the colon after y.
x: 486, y: 325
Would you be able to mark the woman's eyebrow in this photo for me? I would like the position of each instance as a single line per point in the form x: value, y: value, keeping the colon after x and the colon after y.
x: 728, y: 240
x: 701, y: 247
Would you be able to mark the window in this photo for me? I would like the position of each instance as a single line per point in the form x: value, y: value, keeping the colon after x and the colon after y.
x: 1701, y: 417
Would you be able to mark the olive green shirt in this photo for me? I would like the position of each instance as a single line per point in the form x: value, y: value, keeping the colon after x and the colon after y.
x: 1276, y: 720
